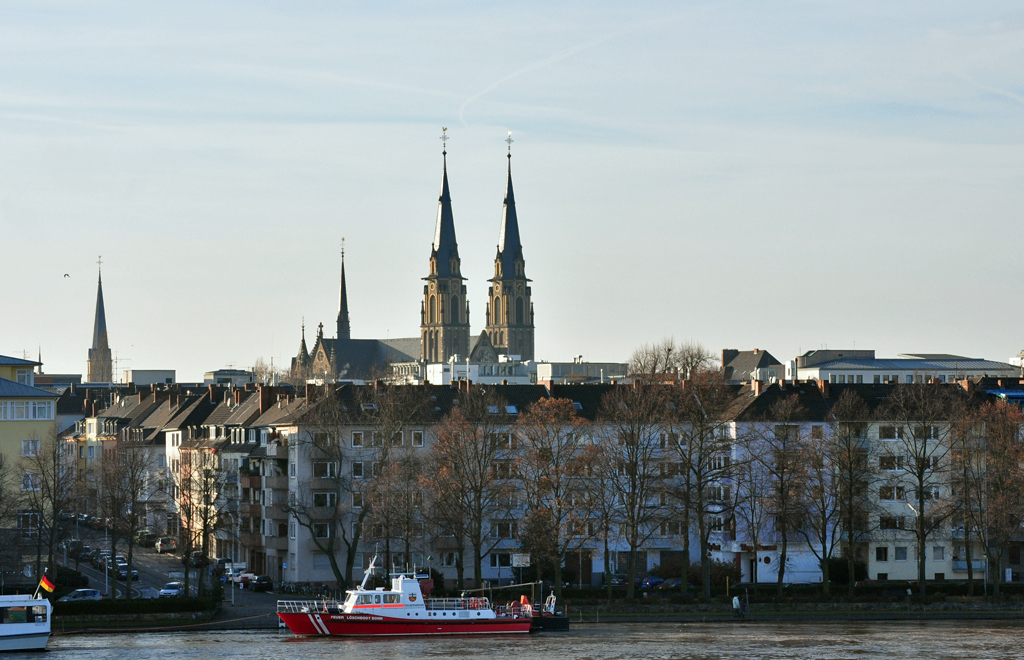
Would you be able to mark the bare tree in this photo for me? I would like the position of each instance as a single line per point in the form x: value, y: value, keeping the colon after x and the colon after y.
x: 555, y: 462
x: 668, y: 359
x: 780, y: 447
x: 990, y: 457
x: 47, y: 489
x: 473, y: 474
x: 127, y: 470
x: 698, y: 436
x: 853, y: 473
x: 631, y: 442
x: 920, y: 414
x: 753, y: 496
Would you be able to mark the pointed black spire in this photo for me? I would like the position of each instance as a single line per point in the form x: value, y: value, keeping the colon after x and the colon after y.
x: 445, y: 247
x: 344, y: 329
x: 509, y: 247
x: 100, y: 363
x: 303, y: 351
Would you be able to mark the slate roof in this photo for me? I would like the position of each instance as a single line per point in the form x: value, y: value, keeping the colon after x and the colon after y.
x: 741, y: 367
x: 509, y: 245
x: 445, y: 247
x: 12, y: 388
x: 7, y: 361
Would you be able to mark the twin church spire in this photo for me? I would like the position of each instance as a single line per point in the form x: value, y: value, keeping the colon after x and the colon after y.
x: 444, y: 312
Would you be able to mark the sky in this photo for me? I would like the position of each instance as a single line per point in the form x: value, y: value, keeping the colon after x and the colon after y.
x: 777, y: 175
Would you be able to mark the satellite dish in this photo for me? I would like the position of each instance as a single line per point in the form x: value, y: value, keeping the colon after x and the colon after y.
x: 27, y: 570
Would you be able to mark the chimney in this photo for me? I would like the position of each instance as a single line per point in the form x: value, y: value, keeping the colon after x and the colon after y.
x: 266, y: 394
x: 310, y: 388
x: 213, y: 392
x: 823, y: 386
x: 504, y: 381
x: 756, y: 386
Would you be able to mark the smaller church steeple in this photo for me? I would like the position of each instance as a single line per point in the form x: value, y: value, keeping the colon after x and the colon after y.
x: 100, y: 365
x: 344, y: 329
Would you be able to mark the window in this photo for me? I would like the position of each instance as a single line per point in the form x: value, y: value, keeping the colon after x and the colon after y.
x: 30, y: 447
x: 719, y: 493
x: 891, y: 522
x: 670, y: 527
x: 503, y: 441
x: 357, y: 469
x: 877, y: 379
x: 325, y: 469
x: 417, y: 499
x: 357, y: 438
x: 449, y: 558
x: 42, y: 410
x: 325, y: 499
x: 720, y: 462
x: 81, y: 454
x: 29, y: 481
x: 890, y: 432
x: 881, y: 554
x: 890, y: 462
x: 321, y: 530
x: 28, y: 524
x: 397, y: 440
x: 860, y: 378
x: 417, y: 438
x: 930, y: 493
x: 891, y: 493
x: 357, y: 500
x: 293, y: 529
x: 504, y: 529
x: 376, y: 440
x: 418, y: 528
x: 501, y: 560
x: 939, y: 553
x: 901, y: 553
x: 291, y: 470
x: 817, y: 433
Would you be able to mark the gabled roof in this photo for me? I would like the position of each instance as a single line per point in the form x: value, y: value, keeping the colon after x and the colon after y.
x: 7, y: 361
x: 588, y: 396
x: 743, y: 364
x: 14, y: 389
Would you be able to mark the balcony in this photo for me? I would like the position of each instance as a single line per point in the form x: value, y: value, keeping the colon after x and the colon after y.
x: 250, y: 510
x: 251, y: 481
x: 275, y: 512
x: 275, y: 542
x: 280, y: 483
x: 960, y: 565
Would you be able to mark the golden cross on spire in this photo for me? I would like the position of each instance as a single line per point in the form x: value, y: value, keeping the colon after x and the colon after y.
x: 509, y: 142
x: 444, y: 139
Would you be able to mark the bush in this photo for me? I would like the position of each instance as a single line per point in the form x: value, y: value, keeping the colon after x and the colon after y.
x: 135, y: 606
x: 720, y: 570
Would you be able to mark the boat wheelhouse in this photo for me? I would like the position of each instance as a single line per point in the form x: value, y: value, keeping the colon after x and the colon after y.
x: 24, y: 623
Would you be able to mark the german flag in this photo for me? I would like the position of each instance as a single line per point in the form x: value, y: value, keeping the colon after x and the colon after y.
x: 46, y: 584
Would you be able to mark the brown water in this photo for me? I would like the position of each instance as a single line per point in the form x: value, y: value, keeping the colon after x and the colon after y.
x: 662, y: 641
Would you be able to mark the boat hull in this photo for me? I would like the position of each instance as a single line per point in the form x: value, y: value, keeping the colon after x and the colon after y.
x: 24, y: 641
x: 363, y: 625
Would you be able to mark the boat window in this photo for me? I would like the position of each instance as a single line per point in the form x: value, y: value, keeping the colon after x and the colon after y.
x: 39, y: 612
x: 376, y: 598
x: 13, y: 615
x: 392, y: 598
x: 365, y: 599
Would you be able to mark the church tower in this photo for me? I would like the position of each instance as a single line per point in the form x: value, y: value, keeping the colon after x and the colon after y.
x: 100, y: 365
x: 444, y: 312
x: 509, y: 308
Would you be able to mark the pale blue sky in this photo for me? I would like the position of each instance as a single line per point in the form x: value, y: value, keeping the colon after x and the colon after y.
x: 780, y: 175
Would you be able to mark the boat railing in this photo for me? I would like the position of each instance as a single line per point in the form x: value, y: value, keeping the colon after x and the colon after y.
x: 309, y: 606
x: 458, y: 604
x: 514, y: 610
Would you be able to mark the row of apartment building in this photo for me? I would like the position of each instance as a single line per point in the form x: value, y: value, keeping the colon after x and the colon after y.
x: 257, y: 439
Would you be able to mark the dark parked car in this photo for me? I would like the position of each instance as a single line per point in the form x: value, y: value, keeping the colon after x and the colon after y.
x: 197, y: 558
x: 146, y: 539
x: 671, y: 584
x: 262, y: 583
x: 651, y: 581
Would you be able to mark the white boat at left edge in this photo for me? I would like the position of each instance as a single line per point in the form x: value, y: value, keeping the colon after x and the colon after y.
x: 24, y: 623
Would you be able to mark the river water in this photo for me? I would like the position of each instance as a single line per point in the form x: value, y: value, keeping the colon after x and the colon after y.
x: 903, y: 640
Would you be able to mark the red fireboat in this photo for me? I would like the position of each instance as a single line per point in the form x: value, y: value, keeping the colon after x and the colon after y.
x: 402, y: 610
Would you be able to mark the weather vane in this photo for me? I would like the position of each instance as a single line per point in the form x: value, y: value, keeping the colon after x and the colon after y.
x: 509, y: 141
x: 343, y: 248
x: 99, y: 261
x: 444, y: 139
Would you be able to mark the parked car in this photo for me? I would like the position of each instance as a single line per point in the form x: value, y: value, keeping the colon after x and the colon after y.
x: 166, y: 544
x: 146, y: 539
x: 243, y: 578
x: 81, y: 594
x: 262, y: 583
x: 172, y: 590
x: 122, y: 573
x: 672, y: 584
x: 651, y: 581
x: 197, y: 558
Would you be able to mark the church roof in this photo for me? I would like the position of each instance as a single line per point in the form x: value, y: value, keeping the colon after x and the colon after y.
x: 509, y: 246
x: 445, y: 247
